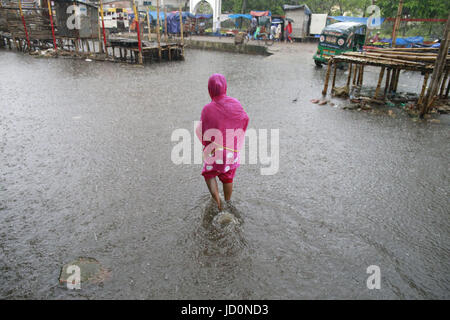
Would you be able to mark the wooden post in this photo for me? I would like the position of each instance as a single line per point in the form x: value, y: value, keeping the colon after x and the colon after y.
x: 350, y: 68
x: 15, y: 41
x: 9, y: 29
x: 136, y: 16
x: 424, y: 87
x: 366, y: 39
x: 327, y: 77
x: 103, y: 27
x: 397, y: 77
x: 362, y: 76
x: 393, y: 79
x: 444, y: 82
x: 358, y: 81
x: 148, y: 25
x: 391, y: 85
x: 77, y: 43
x: 182, y: 32
x: 24, y: 25
x: 50, y: 14
x: 380, y: 80
x: 100, y: 48
x: 397, y: 23
x: 386, y: 87
x: 334, y: 77
x: 447, y: 91
x: 158, y: 33
x: 355, y: 72
x: 438, y: 71
x: 165, y: 24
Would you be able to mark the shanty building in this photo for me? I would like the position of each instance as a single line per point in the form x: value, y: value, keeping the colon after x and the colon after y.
x: 301, y: 19
x: 76, y: 19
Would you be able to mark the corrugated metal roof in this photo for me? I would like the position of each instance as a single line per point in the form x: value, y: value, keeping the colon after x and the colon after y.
x: 287, y: 7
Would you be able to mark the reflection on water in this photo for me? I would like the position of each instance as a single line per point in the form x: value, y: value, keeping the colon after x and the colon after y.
x: 85, y: 171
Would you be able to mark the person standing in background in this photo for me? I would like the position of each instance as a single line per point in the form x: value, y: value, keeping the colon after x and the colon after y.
x: 253, y: 26
x: 288, y: 30
x: 273, y: 31
x: 218, y: 28
x: 278, y: 32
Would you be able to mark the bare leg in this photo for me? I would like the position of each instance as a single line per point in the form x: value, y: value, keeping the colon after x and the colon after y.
x: 214, y: 190
x: 227, y: 190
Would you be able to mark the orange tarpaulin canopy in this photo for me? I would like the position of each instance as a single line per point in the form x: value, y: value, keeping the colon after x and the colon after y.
x: 260, y: 13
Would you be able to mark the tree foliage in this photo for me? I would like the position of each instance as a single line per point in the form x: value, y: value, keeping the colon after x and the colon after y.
x: 422, y: 9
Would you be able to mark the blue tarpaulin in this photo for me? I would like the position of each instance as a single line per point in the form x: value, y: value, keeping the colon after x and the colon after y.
x: 358, y: 19
x: 184, y: 14
x: 405, y: 41
x: 173, y: 21
x: 239, y: 15
x: 203, y: 16
x: 154, y: 14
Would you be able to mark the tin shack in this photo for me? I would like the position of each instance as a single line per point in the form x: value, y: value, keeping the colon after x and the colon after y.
x: 300, y: 17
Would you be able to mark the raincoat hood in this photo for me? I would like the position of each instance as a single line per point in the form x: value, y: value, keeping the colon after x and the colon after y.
x: 217, y: 85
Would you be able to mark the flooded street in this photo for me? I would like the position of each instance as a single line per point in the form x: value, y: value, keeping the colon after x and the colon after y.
x: 86, y: 171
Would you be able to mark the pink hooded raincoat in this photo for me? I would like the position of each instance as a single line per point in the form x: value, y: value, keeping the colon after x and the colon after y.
x: 223, y: 125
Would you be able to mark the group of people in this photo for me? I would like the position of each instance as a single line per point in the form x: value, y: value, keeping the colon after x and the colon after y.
x: 275, y: 30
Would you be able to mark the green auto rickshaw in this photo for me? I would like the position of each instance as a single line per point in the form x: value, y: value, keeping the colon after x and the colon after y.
x: 338, y: 38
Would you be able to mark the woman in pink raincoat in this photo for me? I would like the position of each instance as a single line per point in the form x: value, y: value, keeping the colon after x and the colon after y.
x: 222, y: 133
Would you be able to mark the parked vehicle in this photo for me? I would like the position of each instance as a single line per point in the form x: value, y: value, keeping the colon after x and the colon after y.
x: 338, y: 38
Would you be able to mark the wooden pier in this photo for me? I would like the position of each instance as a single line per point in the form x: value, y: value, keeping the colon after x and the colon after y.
x: 37, y: 30
x: 392, y: 62
x: 124, y: 49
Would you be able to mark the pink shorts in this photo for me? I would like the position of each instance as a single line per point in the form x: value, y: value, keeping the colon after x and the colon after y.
x: 226, y: 177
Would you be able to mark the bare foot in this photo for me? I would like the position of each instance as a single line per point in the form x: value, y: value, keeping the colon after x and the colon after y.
x: 219, y: 205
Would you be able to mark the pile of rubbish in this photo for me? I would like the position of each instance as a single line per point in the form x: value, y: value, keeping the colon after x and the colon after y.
x: 443, y: 109
x: 361, y: 99
x: 44, y: 53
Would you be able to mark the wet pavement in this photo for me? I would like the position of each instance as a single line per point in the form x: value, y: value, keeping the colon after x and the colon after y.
x: 85, y: 171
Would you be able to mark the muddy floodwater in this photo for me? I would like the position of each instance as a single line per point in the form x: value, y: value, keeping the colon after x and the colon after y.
x: 86, y: 171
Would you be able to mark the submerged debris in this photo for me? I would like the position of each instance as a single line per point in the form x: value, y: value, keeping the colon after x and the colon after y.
x: 341, y: 91
x: 90, y: 271
x: 44, y: 53
x: 444, y: 109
